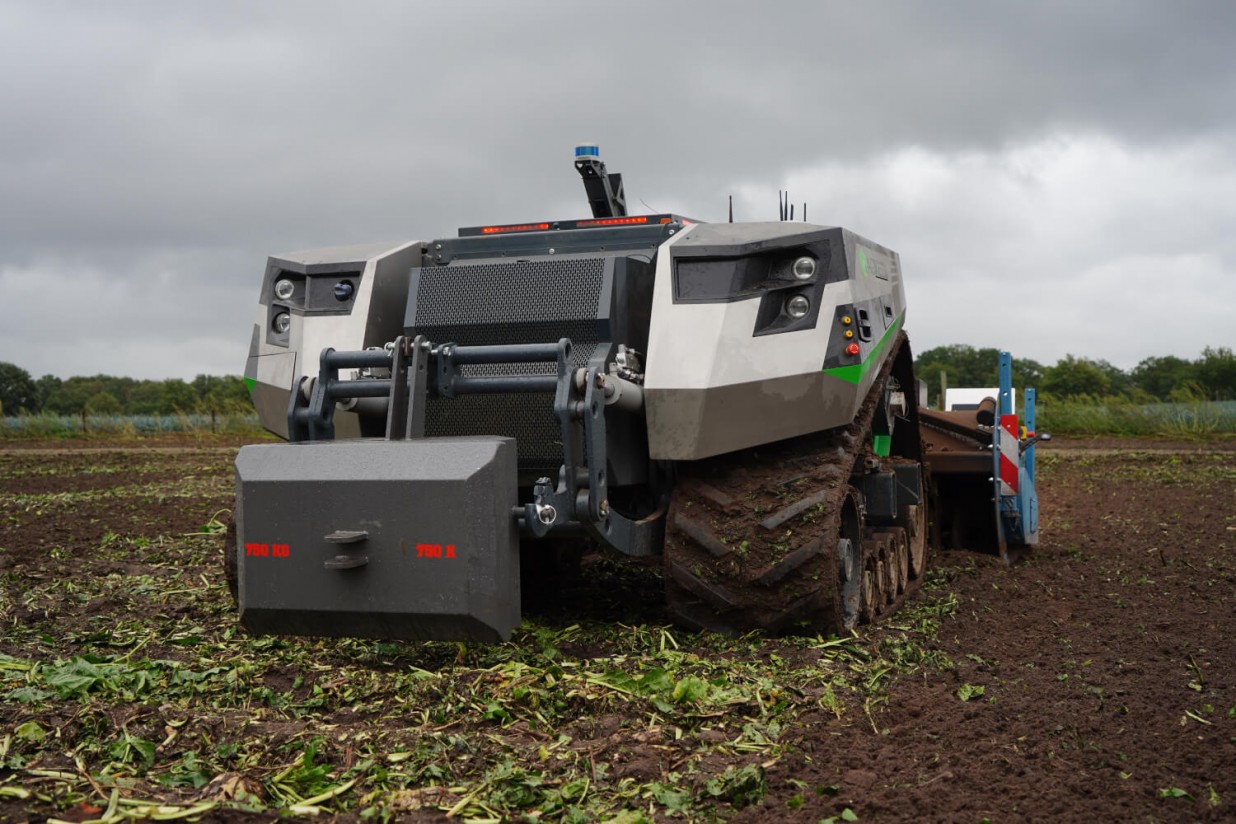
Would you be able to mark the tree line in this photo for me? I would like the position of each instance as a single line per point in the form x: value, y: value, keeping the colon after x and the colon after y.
x: 109, y: 395
x: 1164, y: 378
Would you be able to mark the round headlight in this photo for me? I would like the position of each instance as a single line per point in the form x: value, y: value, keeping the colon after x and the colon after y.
x: 804, y: 268
x: 344, y: 290
x: 284, y: 289
x: 282, y: 323
x: 797, y: 306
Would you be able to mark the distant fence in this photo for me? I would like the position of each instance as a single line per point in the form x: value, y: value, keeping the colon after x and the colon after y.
x: 65, y: 426
x: 1122, y: 418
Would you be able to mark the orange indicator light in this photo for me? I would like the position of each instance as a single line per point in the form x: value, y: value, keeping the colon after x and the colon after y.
x: 520, y: 227
x: 846, y: 320
x: 612, y: 221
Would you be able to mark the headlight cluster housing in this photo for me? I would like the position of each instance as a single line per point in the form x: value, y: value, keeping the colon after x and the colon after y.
x: 786, y: 272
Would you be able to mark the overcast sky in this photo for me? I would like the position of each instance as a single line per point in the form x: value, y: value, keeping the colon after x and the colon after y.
x: 1059, y: 177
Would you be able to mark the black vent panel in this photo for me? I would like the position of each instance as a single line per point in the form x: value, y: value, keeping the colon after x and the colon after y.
x: 536, y: 301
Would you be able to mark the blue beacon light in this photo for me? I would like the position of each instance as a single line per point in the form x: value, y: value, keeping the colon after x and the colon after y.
x: 587, y: 150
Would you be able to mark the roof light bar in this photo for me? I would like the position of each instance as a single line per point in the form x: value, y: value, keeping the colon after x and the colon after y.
x: 611, y: 221
x: 633, y: 221
x: 516, y: 227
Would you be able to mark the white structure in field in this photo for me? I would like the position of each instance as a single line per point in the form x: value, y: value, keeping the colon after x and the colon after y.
x: 969, y: 398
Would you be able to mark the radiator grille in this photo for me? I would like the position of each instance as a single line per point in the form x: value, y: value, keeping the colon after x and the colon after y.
x: 498, y: 303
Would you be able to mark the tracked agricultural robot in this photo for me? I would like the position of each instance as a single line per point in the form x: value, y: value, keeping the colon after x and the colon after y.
x: 737, y: 398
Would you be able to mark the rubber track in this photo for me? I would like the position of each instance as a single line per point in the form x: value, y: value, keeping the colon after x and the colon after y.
x: 751, y: 539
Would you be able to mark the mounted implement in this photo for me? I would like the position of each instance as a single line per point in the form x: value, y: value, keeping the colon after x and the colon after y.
x: 738, y: 399
x: 982, y: 451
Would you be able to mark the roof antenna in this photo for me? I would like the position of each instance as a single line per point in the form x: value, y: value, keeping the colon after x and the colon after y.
x: 791, y: 211
x: 804, y: 211
x: 731, y: 208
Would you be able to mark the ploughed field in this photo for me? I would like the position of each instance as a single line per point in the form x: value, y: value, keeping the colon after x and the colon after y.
x: 1093, y: 680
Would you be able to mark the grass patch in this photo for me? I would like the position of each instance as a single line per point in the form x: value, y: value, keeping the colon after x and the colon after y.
x: 48, y: 426
x: 1122, y: 418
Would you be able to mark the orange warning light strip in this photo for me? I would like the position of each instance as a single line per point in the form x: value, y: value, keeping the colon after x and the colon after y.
x: 612, y: 221
x: 521, y: 227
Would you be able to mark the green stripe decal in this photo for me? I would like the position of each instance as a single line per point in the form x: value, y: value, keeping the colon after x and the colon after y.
x: 855, y: 372
x: 249, y: 384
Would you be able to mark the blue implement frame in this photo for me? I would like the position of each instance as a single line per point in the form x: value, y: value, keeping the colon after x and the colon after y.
x: 1017, y: 511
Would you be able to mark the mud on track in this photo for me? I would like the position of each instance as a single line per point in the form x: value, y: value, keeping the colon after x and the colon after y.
x: 1106, y: 661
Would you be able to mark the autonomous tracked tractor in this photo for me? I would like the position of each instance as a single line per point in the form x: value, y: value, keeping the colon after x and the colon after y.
x: 736, y: 398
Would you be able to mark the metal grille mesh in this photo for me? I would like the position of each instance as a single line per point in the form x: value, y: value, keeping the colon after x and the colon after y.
x: 497, y: 303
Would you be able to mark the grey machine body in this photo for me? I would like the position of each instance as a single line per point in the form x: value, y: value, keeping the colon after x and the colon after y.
x: 520, y: 383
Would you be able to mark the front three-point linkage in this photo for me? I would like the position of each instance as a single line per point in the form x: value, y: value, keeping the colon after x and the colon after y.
x: 406, y: 373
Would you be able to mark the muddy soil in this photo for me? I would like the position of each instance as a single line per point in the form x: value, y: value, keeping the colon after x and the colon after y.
x: 1107, y: 659
x: 1095, y: 679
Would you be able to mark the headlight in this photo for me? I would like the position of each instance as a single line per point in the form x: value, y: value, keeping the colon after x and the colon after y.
x: 282, y: 323
x: 804, y: 268
x: 797, y: 306
x: 284, y: 289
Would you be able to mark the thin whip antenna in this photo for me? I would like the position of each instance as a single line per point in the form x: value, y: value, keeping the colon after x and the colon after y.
x: 649, y: 208
x: 731, y: 208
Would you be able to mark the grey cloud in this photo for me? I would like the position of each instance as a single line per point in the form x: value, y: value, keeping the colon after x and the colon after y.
x: 229, y: 130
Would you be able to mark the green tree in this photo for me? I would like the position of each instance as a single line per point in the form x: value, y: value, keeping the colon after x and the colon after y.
x: 103, y: 403
x: 960, y: 364
x: 1027, y: 373
x: 1216, y: 370
x: 1073, y: 377
x: 178, y: 396
x: 221, y: 393
x: 1118, y: 381
x: 47, y: 386
x: 71, y: 396
x: 17, y: 390
x: 1160, y: 375
x: 147, y: 399
x: 966, y: 366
